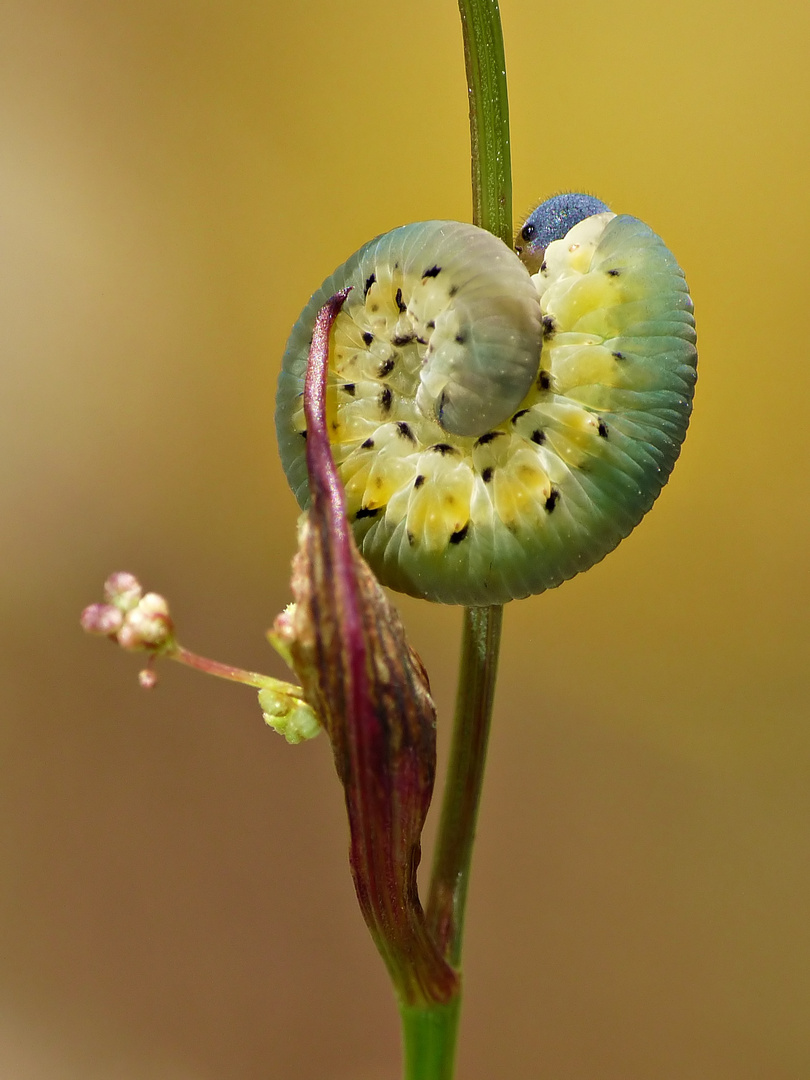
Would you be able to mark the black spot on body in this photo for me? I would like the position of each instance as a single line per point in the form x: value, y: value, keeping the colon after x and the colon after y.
x: 304, y: 434
x: 403, y: 339
x: 461, y: 338
x: 431, y: 325
x: 552, y: 500
x: 451, y: 292
x: 458, y: 536
x: 402, y: 307
x: 369, y: 282
x: 368, y: 337
x: 367, y: 445
x: 366, y: 512
x: 350, y: 389
x: 385, y: 399
x: 433, y: 271
x: 602, y: 428
x: 619, y: 356
x: 486, y: 474
x: 538, y: 436
x: 443, y: 448
x: 549, y: 326
x: 518, y: 414
x: 419, y: 481
x: 488, y: 437
x: 544, y: 380
x: 613, y: 273
x: 411, y: 538
x: 386, y: 367
x: 404, y: 430
x: 543, y: 267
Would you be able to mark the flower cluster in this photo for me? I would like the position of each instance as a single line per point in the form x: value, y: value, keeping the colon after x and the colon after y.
x: 141, y: 622
x: 136, y: 620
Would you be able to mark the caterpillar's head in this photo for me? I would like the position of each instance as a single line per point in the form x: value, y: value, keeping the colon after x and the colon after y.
x: 551, y: 221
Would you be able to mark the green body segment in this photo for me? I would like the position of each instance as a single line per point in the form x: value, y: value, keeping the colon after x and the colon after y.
x: 551, y: 468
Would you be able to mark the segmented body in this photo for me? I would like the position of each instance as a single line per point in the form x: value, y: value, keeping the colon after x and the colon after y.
x: 497, y: 433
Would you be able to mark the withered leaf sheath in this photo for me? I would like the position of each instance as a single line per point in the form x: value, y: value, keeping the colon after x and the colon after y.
x: 371, y: 692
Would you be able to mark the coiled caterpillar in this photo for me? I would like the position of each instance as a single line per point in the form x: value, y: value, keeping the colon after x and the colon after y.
x: 499, y: 427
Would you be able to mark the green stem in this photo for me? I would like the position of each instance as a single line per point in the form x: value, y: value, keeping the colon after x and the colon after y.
x: 429, y: 1035
x: 489, y: 116
x: 430, y: 1032
x: 492, y: 209
x: 465, y: 778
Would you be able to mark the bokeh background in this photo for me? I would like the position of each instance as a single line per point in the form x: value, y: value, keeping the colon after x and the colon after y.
x: 176, y: 177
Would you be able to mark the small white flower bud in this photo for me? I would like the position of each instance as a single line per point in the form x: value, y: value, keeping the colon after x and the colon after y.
x: 154, y: 604
x: 101, y: 619
x: 128, y: 638
x: 147, y: 678
x: 148, y: 625
x: 123, y: 590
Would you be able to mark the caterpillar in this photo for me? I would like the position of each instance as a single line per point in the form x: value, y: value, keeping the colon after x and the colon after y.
x: 500, y: 419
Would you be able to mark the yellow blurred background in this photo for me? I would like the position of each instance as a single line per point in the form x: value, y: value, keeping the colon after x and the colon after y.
x: 176, y: 177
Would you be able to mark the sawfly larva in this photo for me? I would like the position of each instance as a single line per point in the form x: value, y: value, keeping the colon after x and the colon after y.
x: 499, y: 425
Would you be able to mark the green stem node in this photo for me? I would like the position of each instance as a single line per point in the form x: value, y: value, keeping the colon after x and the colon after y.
x: 429, y: 1036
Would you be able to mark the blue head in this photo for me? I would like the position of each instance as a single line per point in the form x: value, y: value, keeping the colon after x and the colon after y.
x: 551, y: 221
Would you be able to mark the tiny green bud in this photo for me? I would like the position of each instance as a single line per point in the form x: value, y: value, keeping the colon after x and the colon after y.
x: 282, y: 634
x: 289, y: 716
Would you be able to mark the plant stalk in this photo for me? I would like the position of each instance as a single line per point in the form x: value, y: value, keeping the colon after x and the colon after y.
x: 465, y: 777
x: 430, y: 1031
x: 485, y: 62
x: 429, y: 1037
